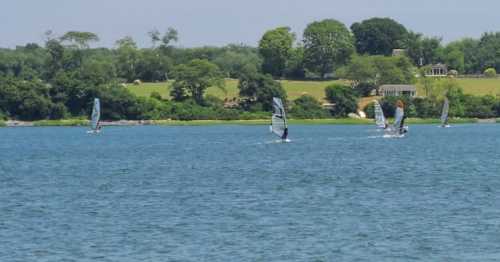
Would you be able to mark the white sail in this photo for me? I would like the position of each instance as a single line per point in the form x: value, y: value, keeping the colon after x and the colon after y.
x: 96, y: 114
x: 398, y: 118
x: 444, y: 114
x: 279, y: 125
x: 379, y: 115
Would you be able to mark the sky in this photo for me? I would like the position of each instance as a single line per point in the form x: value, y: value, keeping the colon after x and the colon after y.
x: 220, y: 22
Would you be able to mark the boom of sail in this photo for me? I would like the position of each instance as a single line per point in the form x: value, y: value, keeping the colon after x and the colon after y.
x: 444, y: 114
x: 279, y: 125
x: 379, y: 115
x: 96, y: 114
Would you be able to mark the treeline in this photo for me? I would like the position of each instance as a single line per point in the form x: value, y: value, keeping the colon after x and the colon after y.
x: 61, y: 78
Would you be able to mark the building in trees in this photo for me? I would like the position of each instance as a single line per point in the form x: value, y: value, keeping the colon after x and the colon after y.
x: 437, y: 70
x: 398, y: 90
x: 398, y: 52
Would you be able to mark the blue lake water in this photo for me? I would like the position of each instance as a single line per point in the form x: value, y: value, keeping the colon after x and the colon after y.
x: 231, y: 193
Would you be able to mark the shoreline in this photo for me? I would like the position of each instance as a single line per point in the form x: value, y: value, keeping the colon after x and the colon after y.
x: 329, y: 121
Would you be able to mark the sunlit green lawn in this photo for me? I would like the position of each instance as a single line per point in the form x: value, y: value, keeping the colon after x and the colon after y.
x: 474, y: 86
x: 294, y: 89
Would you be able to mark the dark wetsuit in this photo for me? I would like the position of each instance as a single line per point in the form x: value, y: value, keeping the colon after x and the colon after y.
x: 402, y: 129
x: 285, y: 134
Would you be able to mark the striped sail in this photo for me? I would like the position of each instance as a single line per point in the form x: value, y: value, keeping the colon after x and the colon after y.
x: 279, y: 125
x: 379, y: 115
x: 444, y: 114
x: 96, y: 114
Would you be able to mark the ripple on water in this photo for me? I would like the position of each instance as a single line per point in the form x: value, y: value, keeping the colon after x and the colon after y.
x: 229, y: 193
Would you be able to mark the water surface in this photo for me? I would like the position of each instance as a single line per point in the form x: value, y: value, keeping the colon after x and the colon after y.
x: 231, y: 193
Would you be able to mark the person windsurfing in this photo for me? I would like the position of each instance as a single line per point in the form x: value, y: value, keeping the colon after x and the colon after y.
x: 400, y: 112
x: 279, y: 124
x: 285, y: 134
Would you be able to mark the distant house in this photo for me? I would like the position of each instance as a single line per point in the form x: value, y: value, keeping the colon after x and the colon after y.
x: 437, y: 70
x: 398, y: 52
x: 398, y: 90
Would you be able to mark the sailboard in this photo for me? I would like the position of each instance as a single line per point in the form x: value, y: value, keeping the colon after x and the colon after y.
x: 279, y: 125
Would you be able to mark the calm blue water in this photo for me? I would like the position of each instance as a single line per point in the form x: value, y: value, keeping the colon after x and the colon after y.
x: 230, y: 193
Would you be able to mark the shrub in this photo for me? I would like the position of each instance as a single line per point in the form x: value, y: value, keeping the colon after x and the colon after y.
x: 58, y: 111
x: 156, y: 95
x: 258, y: 88
x: 364, y: 89
x: 344, y: 98
x: 213, y: 101
x: 490, y: 72
x: 307, y: 107
x: 370, y: 110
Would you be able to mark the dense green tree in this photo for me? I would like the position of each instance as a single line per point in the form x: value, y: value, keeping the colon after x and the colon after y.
x: 295, y: 68
x: 97, y: 71
x: 423, y: 50
x: 127, y: 58
x: 80, y: 40
x: 469, y: 48
x: 379, y: 36
x: 193, y: 78
x: 394, y: 70
x: 276, y: 47
x: 343, y: 98
x: 155, y: 37
x: 327, y: 44
x: 55, y: 58
x: 307, y: 107
x: 24, y: 100
x: 453, y: 56
x: 170, y: 36
x: 488, y: 50
x: 360, y: 69
x: 152, y: 66
x: 379, y: 70
x: 258, y: 90
x: 232, y: 63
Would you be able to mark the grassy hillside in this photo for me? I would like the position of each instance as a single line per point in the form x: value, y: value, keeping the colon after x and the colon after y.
x: 294, y: 89
x: 474, y: 86
x: 480, y: 86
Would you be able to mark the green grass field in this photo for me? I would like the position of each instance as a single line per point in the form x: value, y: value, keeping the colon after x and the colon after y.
x: 473, y: 86
x: 294, y: 89
x: 480, y: 86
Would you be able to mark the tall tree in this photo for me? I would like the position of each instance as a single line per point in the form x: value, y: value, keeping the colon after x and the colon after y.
x: 423, y: 50
x: 194, y: 78
x: 379, y: 70
x: 54, y: 61
x: 327, y: 44
x: 378, y: 36
x: 81, y: 40
x: 489, y: 50
x: 155, y: 36
x: 275, y: 47
x: 344, y: 99
x: 128, y: 57
x: 259, y: 89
